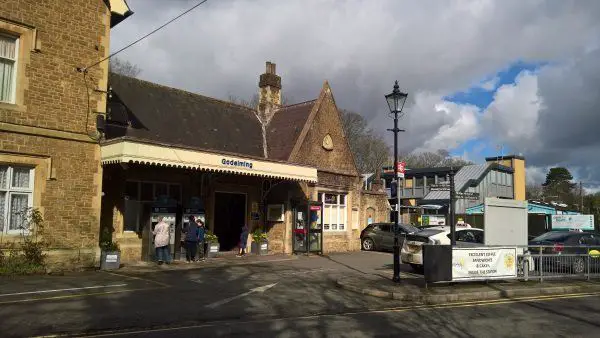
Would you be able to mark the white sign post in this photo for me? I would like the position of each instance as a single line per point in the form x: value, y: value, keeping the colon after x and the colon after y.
x: 573, y: 222
x: 484, y: 263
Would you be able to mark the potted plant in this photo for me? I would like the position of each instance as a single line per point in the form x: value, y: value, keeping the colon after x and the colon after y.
x: 110, y: 255
x: 212, y: 244
x: 260, y: 243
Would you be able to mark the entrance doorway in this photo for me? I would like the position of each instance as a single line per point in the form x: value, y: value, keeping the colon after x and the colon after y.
x: 230, y: 215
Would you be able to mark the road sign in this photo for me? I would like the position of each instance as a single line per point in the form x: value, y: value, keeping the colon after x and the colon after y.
x: 439, y: 187
x: 401, y: 168
x: 467, y: 195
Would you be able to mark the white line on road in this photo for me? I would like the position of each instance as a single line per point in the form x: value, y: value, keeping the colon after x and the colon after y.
x: 227, y: 300
x: 60, y: 290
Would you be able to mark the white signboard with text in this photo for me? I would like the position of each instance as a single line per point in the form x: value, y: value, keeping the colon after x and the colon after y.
x: 575, y: 222
x: 484, y: 263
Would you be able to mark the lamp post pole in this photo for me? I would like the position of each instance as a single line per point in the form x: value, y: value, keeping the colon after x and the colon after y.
x: 396, y: 102
x: 452, y: 210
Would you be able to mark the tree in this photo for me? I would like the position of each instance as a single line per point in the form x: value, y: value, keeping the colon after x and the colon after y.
x: 369, y: 149
x: 116, y: 65
x: 558, y: 185
x: 534, y: 192
x: 427, y: 159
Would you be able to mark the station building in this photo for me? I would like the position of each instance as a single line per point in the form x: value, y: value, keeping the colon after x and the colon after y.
x: 285, y: 170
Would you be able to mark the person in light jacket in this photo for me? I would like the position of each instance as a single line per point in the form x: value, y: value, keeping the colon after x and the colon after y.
x: 161, y: 241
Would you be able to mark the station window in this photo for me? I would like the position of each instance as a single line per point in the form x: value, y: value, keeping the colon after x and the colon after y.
x: 139, y: 193
x: 334, y: 211
x: 16, y: 197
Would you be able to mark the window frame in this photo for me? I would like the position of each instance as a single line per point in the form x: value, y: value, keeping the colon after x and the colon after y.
x: 143, y: 201
x: 339, y: 208
x: 13, y: 94
x: 10, y: 191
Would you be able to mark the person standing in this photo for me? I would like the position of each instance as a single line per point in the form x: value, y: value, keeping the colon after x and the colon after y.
x: 161, y: 241
x: 201, y: 232
x: 243, y: 240
x: 191, y: 240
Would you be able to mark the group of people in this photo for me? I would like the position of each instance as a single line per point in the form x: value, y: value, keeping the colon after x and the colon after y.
x: 192, y: 240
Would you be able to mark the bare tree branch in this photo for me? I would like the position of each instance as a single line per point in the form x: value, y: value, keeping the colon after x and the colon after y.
x: 116, y: 65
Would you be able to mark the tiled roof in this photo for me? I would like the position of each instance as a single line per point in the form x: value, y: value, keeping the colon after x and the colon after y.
x: 285, y: 128
x: 173, y: 116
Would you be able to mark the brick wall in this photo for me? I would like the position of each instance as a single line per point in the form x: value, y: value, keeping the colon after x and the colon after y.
x: 50, y: 119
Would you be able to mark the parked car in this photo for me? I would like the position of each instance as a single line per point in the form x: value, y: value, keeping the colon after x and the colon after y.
x: 567, y: 250
x: 380, y: 236
x: 412, y: 249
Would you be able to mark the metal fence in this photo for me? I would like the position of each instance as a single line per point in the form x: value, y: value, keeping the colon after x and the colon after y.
x: 541, y: 262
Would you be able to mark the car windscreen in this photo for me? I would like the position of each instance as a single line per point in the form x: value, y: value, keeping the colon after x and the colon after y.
x: 409, y: 228
x: 552, y: 237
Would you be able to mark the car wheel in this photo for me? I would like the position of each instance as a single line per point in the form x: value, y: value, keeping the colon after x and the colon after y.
x: 578, y: 266
x: 417, y: 268
x: 368, y: 244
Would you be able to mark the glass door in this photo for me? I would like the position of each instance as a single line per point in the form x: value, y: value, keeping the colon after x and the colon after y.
x: 315, y: 232
x: 300, y: 230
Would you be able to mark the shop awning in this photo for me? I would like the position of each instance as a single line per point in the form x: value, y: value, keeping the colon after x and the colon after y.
x: 127, y: 151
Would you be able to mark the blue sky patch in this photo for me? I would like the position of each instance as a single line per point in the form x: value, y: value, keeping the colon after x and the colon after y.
x: 482, y: 95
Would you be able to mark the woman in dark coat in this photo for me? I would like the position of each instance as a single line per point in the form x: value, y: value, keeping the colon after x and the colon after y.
x: 243, y: 240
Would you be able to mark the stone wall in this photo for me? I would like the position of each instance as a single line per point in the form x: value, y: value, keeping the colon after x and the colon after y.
x: 49, y: 126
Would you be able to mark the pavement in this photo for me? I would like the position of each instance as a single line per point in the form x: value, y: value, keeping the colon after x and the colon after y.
x: 415, y: 290
x: 295, y: 297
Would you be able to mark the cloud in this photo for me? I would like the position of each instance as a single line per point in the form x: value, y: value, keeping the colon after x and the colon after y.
x: 490, y: 84
x: 433, y: 48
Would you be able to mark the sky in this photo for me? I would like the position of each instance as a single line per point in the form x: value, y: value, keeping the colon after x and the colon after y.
x: 484, y: 77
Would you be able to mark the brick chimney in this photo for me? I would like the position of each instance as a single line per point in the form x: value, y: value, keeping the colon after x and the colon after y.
x: 269, y: 93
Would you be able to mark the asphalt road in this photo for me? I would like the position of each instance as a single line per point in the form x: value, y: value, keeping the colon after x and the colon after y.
x: 293, y: 298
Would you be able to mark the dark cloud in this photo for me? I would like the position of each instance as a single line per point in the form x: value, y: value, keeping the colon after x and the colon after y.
x: 434, y: 48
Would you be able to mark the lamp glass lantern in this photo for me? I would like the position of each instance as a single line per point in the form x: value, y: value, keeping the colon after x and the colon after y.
x: 396, y: 99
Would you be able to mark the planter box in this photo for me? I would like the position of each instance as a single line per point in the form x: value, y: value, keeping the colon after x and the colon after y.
x: 259, y: 248
x: 110, y: 260
x: 212, y: 249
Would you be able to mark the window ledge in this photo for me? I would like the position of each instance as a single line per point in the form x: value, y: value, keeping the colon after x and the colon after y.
x: 12, y: 106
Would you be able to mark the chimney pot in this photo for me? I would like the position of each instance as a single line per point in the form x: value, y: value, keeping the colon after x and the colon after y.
x: 270, y: 68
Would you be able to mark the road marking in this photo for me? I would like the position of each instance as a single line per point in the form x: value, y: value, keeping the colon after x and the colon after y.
x: 79, y: 295
x: 227, y: 300
x: 61, y: 290
x: 137, y: 278
x: 114, y: 333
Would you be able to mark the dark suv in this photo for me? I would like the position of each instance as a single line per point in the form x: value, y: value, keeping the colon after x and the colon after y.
x: 567, y: 249
x: 380, y: 236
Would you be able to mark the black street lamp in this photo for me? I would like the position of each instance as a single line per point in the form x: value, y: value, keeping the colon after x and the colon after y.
x: 395, y: 101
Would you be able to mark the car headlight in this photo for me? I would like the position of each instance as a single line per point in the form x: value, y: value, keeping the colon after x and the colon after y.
x: 434, y: 241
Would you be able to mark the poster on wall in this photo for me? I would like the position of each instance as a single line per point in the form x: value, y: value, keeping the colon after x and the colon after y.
x: 573, y: 222
x: 484, y: 263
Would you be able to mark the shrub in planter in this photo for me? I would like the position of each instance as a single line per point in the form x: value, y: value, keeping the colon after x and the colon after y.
x: 110, y: 255
x: 212, y: 244
x: 260, y: 243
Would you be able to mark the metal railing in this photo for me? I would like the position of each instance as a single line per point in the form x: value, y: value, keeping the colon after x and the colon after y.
x: 541, y: 262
